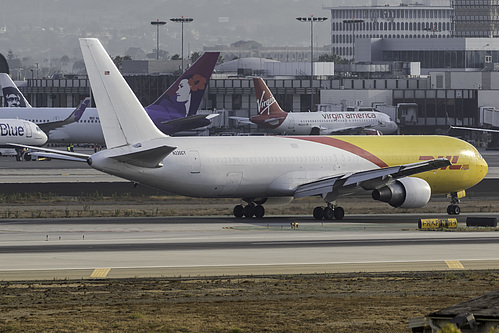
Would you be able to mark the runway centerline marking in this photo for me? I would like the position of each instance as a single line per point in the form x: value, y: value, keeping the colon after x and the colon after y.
x: 454, y: 264
x: 100, y: 272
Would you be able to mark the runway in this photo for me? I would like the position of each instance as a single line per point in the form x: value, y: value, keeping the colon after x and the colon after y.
x: 154, y: 247
x: 207, y: 246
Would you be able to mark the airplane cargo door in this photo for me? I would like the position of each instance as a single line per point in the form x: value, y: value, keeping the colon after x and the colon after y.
x: 27, y: 128
x: 195, y: 162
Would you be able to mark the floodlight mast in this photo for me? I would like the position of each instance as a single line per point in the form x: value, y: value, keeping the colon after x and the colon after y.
x: 311, y: 19
x: 157, y: 23
x: 182, y: 20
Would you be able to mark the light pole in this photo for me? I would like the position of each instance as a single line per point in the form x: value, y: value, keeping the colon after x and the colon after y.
x: 311, y: 19
x: 352, y: 22
x: 182, y: 20
x: 157, y: 23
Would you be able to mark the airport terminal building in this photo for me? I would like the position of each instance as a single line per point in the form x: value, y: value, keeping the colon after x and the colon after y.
x: 406, y: 21
x: 412, y: 62
x: 437, y: 101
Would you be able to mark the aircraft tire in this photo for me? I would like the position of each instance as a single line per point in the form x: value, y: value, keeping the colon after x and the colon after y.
x: 318, y: 213
x: 238, y: 211
x: 339, y: 213
x: 249, y: 211
x: 453, y: 210
x: 328, y: 213
x: 259, y: 211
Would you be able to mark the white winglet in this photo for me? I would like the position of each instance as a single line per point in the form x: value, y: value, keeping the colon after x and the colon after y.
x: 123, y: 119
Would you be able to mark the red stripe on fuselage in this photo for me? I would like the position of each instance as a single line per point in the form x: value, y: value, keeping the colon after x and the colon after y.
x: 347, y: 147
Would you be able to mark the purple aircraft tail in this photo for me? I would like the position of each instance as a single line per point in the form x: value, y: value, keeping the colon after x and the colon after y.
x: 183, y: 98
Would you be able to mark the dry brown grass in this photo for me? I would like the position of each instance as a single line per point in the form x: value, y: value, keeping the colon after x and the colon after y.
x: 359, y: 302
x: 35, y: 206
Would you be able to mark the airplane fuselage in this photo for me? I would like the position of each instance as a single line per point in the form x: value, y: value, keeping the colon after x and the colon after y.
x: 237, y: 166
x: 305, y: 123
x: 86, y: 130
x: 21, y: 132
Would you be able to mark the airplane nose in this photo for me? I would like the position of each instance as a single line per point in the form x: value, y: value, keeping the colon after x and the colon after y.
x: 483, y: 168
x: 44, y: 137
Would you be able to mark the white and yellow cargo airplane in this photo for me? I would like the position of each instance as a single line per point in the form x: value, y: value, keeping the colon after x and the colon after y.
x: 403, y: 171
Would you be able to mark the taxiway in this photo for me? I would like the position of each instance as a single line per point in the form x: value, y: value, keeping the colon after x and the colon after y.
x: 182, y: 246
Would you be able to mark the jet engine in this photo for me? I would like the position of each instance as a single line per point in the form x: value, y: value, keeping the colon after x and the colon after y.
x: 408, y: 192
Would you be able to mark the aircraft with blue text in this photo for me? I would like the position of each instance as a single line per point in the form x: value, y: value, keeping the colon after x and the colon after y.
x: 271, y: 117
x: 403, y: 171
x: 22, y: 132
x: 174, y: 111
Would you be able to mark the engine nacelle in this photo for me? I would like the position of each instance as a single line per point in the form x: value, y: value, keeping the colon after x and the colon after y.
x: 407, y: 192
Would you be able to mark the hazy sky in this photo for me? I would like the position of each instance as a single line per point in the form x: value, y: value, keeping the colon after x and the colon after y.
x: 270, y: 22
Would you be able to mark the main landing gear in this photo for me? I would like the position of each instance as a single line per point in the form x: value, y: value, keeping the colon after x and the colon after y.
x: 328, y: 213
x: 249, y: 211
x: 453, y: 208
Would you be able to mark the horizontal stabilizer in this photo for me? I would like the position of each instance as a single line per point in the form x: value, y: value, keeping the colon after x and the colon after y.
x: 55, y: 156
x: 74, y: 156
x: 190, y: 119
x: 273, y: 121
x: 146, y: 158
x: 242, y: 120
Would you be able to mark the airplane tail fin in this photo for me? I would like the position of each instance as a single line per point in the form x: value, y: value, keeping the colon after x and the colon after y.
x: 124, y: 121
x: 265, y: 101
x: 11, y: 94
x: 194, y: 80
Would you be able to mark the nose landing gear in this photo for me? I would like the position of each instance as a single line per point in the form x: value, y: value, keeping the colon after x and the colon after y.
x: 453, y: 208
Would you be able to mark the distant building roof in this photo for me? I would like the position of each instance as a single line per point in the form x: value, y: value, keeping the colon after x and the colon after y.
x: 248, y: 45
x: 136, y: 53
x: 255, y: 64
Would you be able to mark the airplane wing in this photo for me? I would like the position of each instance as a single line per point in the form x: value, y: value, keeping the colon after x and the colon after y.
x: 346, y: 128
x: 367, y: 180
x: 73, y: 117
x: 475, y: 129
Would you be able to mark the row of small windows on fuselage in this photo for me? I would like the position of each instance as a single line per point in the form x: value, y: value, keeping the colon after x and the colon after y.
x: 336, y: 120
x: 41, y: 121
x: 325, y: 161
